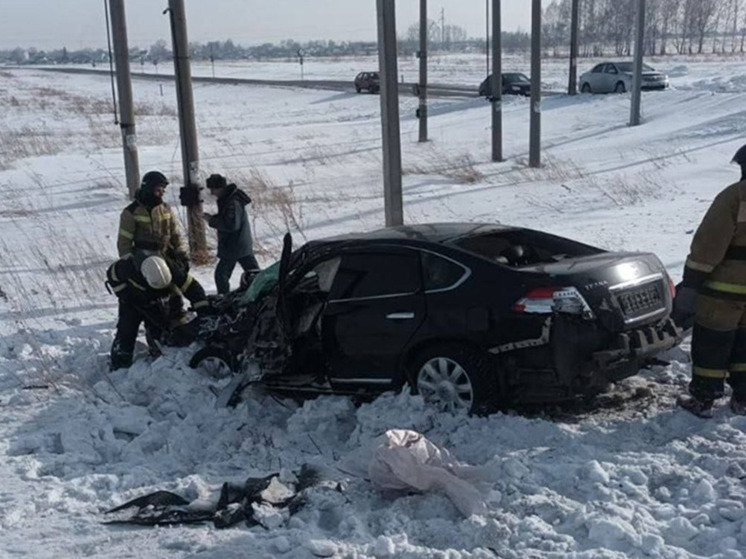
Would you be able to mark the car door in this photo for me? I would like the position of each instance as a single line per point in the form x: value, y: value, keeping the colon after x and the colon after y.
x: 595, y: 78
x: 611, y: 77
x: 376, y: 305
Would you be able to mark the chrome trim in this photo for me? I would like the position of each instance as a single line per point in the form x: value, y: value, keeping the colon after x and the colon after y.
x: 461, y: 280
x: 636, y: 282
x: 645, y: 316
x: 372, y: 297
x: 400, y: 316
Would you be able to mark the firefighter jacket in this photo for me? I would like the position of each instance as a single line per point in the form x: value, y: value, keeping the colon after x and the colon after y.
x: 152, y: 227
x: 127, y: 283
x: 716, y: 264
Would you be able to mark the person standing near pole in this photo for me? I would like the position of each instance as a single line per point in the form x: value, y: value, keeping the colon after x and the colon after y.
x: 714, y: 289
x: 235, y: 243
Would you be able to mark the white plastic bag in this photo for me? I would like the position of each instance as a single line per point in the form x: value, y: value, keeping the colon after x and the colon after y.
x: 406, y: 460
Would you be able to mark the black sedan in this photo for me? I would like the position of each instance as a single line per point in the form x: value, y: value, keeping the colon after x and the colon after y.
x: 471, y: 316
x: 513, y: 83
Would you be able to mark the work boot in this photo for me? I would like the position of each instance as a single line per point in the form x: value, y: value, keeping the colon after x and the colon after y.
x: 700, y: 408
x: 738, y: 406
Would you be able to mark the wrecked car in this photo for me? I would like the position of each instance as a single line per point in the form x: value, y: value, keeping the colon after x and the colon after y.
x: 471, y: 316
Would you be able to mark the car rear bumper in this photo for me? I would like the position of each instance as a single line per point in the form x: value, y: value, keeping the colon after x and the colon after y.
x: 631, y: 349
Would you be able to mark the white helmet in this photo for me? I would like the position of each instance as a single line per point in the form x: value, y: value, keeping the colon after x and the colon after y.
x: 155, y: 271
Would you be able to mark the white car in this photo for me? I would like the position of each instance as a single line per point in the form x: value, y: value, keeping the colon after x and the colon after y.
x: 616, y: 77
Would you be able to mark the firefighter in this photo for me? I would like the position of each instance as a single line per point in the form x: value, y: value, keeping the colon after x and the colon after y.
x: 714, y: 288
x: 148, y: 224
x: 144, y: 292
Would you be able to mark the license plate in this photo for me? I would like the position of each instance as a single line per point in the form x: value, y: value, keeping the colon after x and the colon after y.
x: 640, y: 300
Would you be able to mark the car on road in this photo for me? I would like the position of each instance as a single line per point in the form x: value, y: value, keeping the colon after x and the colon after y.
x: 369, y: 81
x: 513, y: 83
x: 616, y: 77
x: 471, y: 316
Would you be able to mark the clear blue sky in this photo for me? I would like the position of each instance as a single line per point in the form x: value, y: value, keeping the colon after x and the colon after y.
x: 49, y: 24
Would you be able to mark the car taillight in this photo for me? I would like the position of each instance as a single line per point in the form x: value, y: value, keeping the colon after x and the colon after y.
x: 546, y: 300
x: 671, y: 287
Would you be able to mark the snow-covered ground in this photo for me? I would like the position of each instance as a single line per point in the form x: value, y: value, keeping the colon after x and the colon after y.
x: 633, y: 477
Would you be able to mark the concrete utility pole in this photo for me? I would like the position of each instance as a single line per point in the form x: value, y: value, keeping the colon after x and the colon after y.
x: 124, y: 87
x: 190, y: 196
x: 572, y: 85
x: 534, y: 157
x: 497, y: 90
x: 392, y: 183
x: 422, y: 53
x: 634, y: 118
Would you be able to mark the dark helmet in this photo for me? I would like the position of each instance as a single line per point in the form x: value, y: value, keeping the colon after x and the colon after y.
x: 740, y: 156
x: 153, y: 179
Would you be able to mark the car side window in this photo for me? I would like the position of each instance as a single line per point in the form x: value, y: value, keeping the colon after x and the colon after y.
x: 440, y: 273
x: 611, y: 69
x: 598, y: 69
x: 376, y: 274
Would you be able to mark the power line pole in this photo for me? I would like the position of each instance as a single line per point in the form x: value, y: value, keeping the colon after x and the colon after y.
x: 534, y: 157
x: 392, y: 182
x: 422, y: 110
x: 497, y: 90
x: 190, y: 193
x: 124, y: 87
x: 634, y: 118
x: 442, y: 28
x: 572, y: 85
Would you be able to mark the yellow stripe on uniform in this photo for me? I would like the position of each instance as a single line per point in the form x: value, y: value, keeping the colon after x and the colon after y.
x: 699, y: 266
x: 118, y: 288
x: 187, y: 283
x: 126, y: 234
x: 726, y: 287
x: 200, y: 304
x: 737, y: 367
x: 709, y: 373
x: 114, y: 275
x: 137, y: 285
x: 143, y: 218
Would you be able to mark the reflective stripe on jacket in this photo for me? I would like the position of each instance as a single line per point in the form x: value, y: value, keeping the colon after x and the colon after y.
x: 716, y: 264
x: 155, y: 230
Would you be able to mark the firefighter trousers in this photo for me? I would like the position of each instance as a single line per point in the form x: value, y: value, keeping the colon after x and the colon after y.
x: 718, y: 348
x: 128, y: 326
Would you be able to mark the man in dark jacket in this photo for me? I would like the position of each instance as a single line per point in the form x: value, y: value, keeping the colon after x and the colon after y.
x: 714, y: 287
x: 144, y: 290
x: 235, y: 244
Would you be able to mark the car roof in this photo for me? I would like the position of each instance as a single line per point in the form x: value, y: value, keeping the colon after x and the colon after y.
x: 425, y: 232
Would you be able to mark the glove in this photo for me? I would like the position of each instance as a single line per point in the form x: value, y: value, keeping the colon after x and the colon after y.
x: 684, y: 306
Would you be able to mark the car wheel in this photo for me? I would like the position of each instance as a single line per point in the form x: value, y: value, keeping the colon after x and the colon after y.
x: 620, y: 88
x: 357, y: 88
x: 585, y: 88
x: 455, y: 378
x: 212, y: 362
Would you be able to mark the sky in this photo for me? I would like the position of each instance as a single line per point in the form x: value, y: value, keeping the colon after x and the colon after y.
x: 48, y: 24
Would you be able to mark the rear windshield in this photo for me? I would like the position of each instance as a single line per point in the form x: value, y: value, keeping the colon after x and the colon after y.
x: 524, y: 247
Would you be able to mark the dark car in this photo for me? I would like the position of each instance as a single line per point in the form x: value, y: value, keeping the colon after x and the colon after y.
x: 471, y: 316
x: 616, y: 77
x: 513, y: 83
x: 369, y: 81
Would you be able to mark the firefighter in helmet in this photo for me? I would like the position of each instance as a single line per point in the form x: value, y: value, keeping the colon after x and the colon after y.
x: 714, y: 289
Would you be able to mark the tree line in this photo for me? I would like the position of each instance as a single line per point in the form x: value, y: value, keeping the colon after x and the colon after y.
x: 671, y: 26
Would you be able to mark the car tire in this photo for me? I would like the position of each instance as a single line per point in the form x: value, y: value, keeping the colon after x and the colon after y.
x: 455, y: 378
x: 620, y: 88
x: 357, y: 88
x: 585, y: 88
x: 213, y: 362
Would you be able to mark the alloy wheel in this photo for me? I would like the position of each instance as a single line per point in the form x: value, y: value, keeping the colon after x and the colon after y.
x: 444, y: 383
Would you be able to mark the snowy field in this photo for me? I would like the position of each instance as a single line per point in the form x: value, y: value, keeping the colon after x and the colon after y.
x: 631, y: 477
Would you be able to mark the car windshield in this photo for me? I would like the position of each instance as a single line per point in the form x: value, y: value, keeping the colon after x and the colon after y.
x: 629, y: 67
x: 516, y: 77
